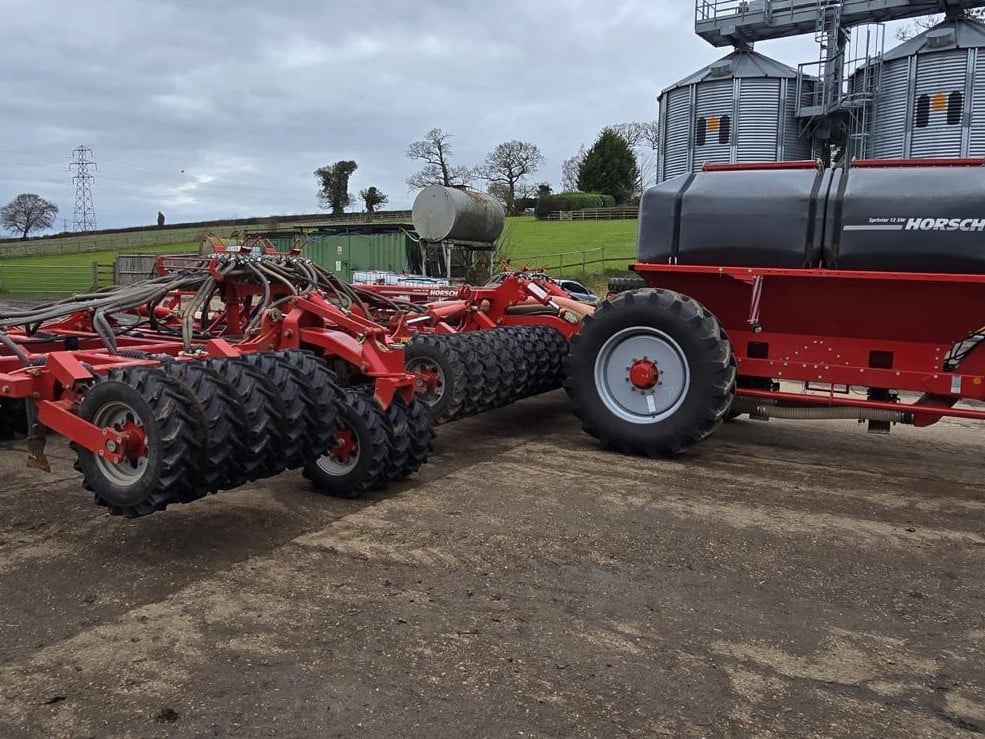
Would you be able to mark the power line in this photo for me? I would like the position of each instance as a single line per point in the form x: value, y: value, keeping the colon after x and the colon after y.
x: 85, y: 212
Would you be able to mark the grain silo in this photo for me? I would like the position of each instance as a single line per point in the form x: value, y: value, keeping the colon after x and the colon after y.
x: 931, y: 95
x: 737, y: 109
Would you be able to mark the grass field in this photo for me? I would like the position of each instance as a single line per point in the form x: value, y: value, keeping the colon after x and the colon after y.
x: 570, y: 246
x: 586, y: 250
x: 68, y: 273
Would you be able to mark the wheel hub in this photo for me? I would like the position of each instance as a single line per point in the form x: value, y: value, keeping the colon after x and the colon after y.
x: 429, y: 380
x: 644, y: 373
x: 125, y: 464
x: 344, y: 446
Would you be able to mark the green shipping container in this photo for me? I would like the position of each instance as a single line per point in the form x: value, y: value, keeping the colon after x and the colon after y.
x: 345, y: 253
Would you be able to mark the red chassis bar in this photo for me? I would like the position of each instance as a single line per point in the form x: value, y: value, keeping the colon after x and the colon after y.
x: 883, y: 330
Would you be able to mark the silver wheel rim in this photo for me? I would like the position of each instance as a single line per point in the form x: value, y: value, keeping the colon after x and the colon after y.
x: 331, y: 466
x: 619, y: 394
x: 431, y: 397
x: 126, y: 472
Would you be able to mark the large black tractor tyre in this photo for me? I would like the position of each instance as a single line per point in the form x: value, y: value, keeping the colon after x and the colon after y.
x: 623, y: 284
x: 411, y: 434
x: 260, y: 401
x: 557, y: 351
x: 488, y: 390
x: 169, y: 469
x: 444, y: 382
x: 480, y: 394
x: 650, y: 373
x: 299, y: 407
x: 225, y: 422
x: 325, y: 395
x: 501, y: 351
x: 519, y: 345
x: 361, y: 450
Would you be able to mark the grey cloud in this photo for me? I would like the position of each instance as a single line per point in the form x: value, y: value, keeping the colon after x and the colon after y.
x: 249, y: 97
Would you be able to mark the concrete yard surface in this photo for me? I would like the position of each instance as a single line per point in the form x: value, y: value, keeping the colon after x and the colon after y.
x: 786, y: 578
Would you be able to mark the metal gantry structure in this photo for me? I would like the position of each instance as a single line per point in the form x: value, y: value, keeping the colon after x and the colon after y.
x: 836, y: 94
x: 82, y: 166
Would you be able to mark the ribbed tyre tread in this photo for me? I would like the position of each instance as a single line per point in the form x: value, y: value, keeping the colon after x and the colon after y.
x: 442, y: 351
x: 325, y: 395
x: 481, y: 393
x: 413, y: 437
x: 225, y: 422
x: 299, y: 407
x: 263, y: 409
x: 708, y: 356
x: 360, y: 413
x: 176, y: 438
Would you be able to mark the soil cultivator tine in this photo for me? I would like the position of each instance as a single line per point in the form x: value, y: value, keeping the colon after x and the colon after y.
x: 167, y: 452
x: 362, y: 446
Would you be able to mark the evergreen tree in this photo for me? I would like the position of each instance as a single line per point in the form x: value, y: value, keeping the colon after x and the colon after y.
x: 609, y: 167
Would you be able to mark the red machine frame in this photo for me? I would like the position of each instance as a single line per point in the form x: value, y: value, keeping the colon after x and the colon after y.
x: 834, y: 330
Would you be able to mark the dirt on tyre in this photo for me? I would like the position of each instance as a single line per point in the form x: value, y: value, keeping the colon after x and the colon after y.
x: 168, y: 428
x: 362, y: 446
x: 442, y: 380
x: 650, y: 373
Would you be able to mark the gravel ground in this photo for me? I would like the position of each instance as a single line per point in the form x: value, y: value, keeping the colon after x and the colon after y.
x: 786, y: 579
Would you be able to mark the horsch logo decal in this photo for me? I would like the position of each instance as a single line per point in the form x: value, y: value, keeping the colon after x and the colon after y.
x: 920, y: 224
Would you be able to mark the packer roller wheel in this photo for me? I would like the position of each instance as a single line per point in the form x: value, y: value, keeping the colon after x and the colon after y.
x: 362, y: 445
x: 165, y: 432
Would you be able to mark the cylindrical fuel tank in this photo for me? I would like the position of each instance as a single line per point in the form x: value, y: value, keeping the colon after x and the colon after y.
x: 447, y: 213
x: 869, y: 217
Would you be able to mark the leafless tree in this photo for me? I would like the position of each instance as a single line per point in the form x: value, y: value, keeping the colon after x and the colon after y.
x: 28, y: 212
x: 643, y: 137
x: 508, y: 164
x: 569, y: 170
x: 919, y: 25
x: 639, y: 134
x: 435, y: 151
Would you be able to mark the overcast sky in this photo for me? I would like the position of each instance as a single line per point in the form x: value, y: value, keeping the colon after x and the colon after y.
x: 222, y: 108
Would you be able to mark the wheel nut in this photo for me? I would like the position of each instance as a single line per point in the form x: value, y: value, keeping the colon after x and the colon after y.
x: 111, y: 446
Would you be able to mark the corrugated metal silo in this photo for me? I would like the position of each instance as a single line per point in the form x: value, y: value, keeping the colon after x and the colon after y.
x: 931, y: 96
x: 737, y: 109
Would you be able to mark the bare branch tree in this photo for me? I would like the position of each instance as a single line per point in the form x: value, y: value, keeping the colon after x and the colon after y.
x: 919, y: 25
x: 642, y: 137
x: 508, y: 164
x: 28, y: 212
x: 570, y: 168
x: 435, y: 151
